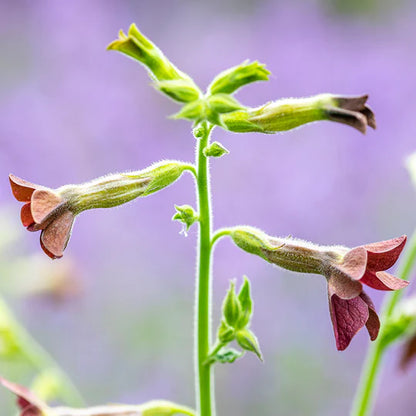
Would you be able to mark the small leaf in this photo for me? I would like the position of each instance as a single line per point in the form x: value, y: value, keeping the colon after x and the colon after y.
x: 226, y: 356
x: 186, y: 215
x: 248, y: 341
x: 182, y: 90
x: 195, y: 110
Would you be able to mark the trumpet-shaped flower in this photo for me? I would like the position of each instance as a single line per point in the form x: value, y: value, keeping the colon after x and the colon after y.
x: 52, y: 211
x: 346, y: 270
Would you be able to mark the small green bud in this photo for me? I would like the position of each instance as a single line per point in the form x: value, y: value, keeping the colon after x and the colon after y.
x: 223, y: 103
x: 246, y: 304
x: 215, y: 149
x: 225, y: 333
x: 185, y: 214
x: 47, y: 385
x: 226, y: 356
x: 248, y: 341
x: 179, y: 90
x: 198, y: 132
x: 231, y: 307
x: 231, y: 79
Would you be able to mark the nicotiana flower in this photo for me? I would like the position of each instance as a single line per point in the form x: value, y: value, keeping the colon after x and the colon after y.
x: 346, y: 270
x: 30, y: 405
x: 53, y: 210
x: 289, y: 113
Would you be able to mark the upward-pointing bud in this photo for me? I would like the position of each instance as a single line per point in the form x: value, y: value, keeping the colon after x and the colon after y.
x: 287, y: 114
x: 168, y: 79
x: 236, y: 77
x: 231, y: 307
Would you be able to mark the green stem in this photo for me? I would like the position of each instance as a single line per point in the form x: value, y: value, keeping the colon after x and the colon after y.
x: 204, y: 382
x: 364, y: 399
x: 222, y: 232
x: 40, y: 359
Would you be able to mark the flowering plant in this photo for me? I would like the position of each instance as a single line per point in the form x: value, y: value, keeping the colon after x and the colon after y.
x: 53, y: 211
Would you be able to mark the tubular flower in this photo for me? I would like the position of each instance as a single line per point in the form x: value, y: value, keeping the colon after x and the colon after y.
x: 346, y: 270
x: 30, y: 405
x: 52, y: 211
x: 289, y: 113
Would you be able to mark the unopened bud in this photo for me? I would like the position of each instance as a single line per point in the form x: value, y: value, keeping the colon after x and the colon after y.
x: 186, y: 215
x: 225, y: 333
x: 236, y: 77
x: 223, y: 103
x: 215, y: 149
x: 231, y: 307
x: 246, y: 304
x: 248, y: 341
x: 137, y: 46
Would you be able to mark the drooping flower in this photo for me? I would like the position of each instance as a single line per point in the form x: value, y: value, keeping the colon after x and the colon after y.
x: 52, y: 211
x: 346, y: 270
x: 30, y: 405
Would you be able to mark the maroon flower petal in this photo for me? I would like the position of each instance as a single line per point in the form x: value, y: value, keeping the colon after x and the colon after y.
x: 22, y: 190
x: 43, y: 203
x: 383, y: 281
x: 354, y: 263
x: 348, y: 317
x: 383, y: 255
x: 344, y: 287
x: 373, y: 323
x: 26, y: 215
x: 55, y: 236
x: 26, y: 400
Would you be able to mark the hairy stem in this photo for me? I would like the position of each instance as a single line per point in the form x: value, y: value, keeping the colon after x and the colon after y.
x: 364, y: 399
x: 204, y: 381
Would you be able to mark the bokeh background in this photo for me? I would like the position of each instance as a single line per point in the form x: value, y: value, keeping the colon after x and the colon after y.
x: 70, y: 111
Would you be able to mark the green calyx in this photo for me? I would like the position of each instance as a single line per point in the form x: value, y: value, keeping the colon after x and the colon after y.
x: 186, y: 215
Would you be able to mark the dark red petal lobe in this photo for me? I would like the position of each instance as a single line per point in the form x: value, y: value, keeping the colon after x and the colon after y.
x: 26, y: 400
x: 354, y: 263
x: 26, y: 215
x: 348, y: 317
x: 383, y: 255
x: 383, y: 281
x: 55, y: 236
x: 22, y: 190
x: 373, y: 323
x: 408, y: 353
x: 43, y: 203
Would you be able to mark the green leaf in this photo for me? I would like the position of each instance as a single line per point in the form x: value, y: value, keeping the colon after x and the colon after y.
x: 223, y: 103
x: 226, y: 356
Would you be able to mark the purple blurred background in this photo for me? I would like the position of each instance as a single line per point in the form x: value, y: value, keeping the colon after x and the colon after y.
x: 71, y: 111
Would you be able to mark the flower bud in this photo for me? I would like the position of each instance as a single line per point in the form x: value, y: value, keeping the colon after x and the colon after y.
x: 236, y: 77
x: 231, y: 308
x: 287, y: 114
x: 180, y: 86
x: 215, y: 149
x: 246, y: 304
x: 248, y: 341
x: 225, y: 333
